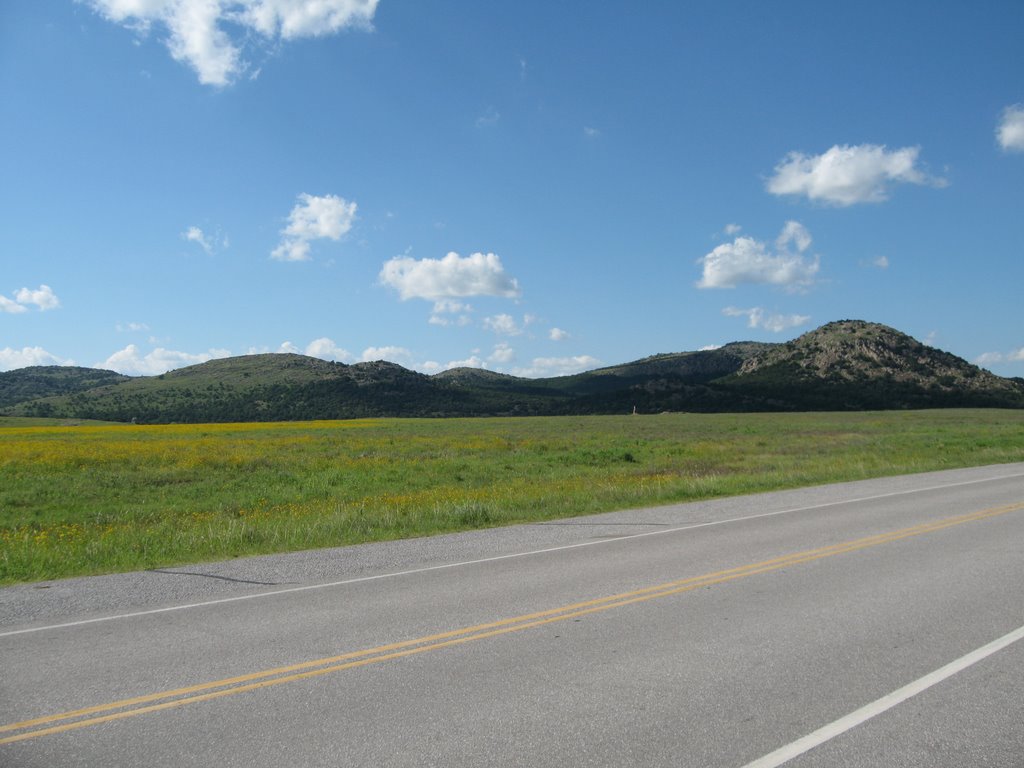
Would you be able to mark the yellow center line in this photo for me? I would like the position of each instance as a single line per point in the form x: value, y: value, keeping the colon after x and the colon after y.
x: 229, y: 686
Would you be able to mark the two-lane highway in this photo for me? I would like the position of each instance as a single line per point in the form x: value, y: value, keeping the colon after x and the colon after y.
x: 863, y: 624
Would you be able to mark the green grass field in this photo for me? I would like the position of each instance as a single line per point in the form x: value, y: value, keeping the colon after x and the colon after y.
x: 89, y: 499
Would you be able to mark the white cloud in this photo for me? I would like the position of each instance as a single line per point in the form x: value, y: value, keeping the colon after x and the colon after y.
x: 326, y: 349
x: 28, y: 356
x: 292, y: 19
x: 314, y: 218
x: 846, y: 175
x: 470, y: 362
x: 130, y: 360
x: 591, y: 133
x: 557, y: 334
x: 196, y: 235
x: 746, y: 260
x: 793, y: 232
x: 451, y: 306
x: 993, y: 358
x: 545, y: 367
x: 503, y: 325
x: 451, y: 277
x: 461, y: 320
x: 503, y: 354
x: 207, y: 35
x: 446, y: 307
x: 399, y: 355
x: 758, y: 318
x: 879, y: 262
x: 131, y: 327
x: 1010, y: 132
x: 732, y: 229
x: 490, y: 117
x: 43, y: 298
x: 11, y: 307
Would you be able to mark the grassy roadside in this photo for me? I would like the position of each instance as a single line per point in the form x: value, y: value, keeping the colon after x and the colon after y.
x: 90, y: 499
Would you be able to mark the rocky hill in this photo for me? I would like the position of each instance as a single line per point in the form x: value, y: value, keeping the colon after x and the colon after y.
x: 841, y: 366
x: 853, y: 364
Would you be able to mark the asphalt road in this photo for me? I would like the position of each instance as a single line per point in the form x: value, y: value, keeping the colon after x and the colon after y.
x: 847, y: 625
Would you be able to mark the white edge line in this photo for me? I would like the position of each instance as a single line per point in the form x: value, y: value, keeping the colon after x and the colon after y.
x: 887, y: 702
x: 427, y: 569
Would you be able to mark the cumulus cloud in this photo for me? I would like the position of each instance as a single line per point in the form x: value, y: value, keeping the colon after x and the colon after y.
x: 994, y: 358
x: 326, y: 349
x: 450, y: 312
x: 314, y: 218
x: 503, y: 325
x: 793, y: 233
x: 473, y: 361
x: 503, y: 354
x: 846, y: 175
x: 449, y: 278
x: 132, y: 362
x: 399, y: 355
x: 759, y: 318
x: 557, y: 334
x: 1010, y: 132
x: 544, y: 367
x: 746, y: 260
x: 208, y: 35
x: 11, y: 307
x: 28, y: 356
x: 42, y: 298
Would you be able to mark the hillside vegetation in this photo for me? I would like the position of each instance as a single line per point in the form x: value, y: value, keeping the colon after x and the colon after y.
x: 846, y: 365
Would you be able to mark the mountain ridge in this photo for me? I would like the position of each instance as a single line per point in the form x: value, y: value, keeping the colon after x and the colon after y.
x: 842, y: 365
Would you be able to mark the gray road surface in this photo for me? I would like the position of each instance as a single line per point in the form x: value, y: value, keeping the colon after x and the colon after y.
x: 708, y: 634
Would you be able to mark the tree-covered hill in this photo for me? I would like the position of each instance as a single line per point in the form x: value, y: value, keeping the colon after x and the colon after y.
x: 48, y: 380
x: 841, y: 366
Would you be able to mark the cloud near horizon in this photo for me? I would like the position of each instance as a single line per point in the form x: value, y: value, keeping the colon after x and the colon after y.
x: 399, y: 355
x: 759, y: 318
x: 847, y: 175
x: 746, y: 260
x: 208, y: 35
x: 25, y: 357
x: 132, y: 362
x: 452, y: 277
x: 994, y: 358
x: 547, y: 367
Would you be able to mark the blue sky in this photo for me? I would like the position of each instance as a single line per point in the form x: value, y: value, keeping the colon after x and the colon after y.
x: 536, y: 188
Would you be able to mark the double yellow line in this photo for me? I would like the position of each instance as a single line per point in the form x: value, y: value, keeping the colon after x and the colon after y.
x: 155, y: 702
